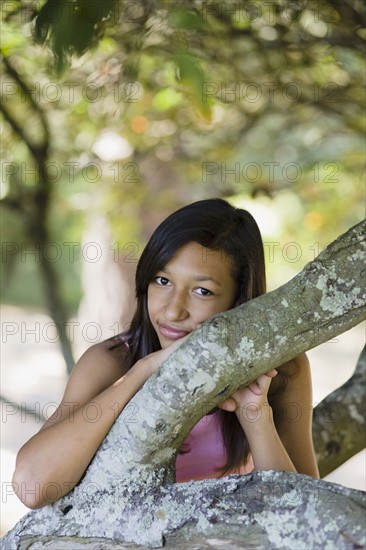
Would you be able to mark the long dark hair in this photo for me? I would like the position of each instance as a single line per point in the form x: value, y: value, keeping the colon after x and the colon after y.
x: 219, y: 226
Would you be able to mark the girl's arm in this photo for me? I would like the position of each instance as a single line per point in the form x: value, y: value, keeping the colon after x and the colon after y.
x: 279, y: 436
x: 52, y: 462
x: 256, y: 418
x: 267, y: 449
x: 293, y: 415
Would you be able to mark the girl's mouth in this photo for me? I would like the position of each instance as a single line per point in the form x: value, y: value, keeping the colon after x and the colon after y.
x: 171, y: 333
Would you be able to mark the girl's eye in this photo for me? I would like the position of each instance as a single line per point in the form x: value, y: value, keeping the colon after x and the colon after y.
x: 204, y: 291
x: 163, y: 281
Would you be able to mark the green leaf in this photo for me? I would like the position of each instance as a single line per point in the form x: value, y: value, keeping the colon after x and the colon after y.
x: 183, y: 19
x: 166, y: 99
x: 193, y: 77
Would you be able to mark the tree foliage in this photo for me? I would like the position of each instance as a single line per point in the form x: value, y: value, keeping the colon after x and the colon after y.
x: 171, y: 102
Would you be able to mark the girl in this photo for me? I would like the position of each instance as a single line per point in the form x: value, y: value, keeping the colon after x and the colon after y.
x: 203, y: 259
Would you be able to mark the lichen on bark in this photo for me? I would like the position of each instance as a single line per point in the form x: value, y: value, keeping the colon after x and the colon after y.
x: 277, y: 510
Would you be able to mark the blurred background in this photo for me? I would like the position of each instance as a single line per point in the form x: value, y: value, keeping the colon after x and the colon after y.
x: 115, y: 114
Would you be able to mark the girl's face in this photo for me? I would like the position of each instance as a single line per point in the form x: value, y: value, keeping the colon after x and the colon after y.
x: 194, y: 285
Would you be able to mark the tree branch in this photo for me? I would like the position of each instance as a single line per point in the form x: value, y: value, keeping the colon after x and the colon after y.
x: 274, y: 510
x: 33, y: 149
x: 339, y: 421
x: 23, y: 86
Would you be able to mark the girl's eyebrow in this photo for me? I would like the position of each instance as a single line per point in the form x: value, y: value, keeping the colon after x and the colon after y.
x: 198, y: 278
x: 206, y: 278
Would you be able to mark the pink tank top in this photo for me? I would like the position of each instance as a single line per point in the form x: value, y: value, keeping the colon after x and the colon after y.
x: 206, y: 452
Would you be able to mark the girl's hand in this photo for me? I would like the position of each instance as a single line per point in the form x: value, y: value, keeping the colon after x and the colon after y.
x: 255, y: 415
x: 250, y: 398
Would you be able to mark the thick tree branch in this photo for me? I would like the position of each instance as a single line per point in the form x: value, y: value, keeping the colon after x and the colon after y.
x: 339, y: 421
x: 277, y: 510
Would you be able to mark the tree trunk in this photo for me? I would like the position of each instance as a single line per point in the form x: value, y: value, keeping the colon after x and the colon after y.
x: 32, y: 203
x: 54, y: 302
x: 127, y: 492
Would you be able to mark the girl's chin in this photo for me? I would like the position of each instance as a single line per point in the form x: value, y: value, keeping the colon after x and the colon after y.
x: 165, y: 343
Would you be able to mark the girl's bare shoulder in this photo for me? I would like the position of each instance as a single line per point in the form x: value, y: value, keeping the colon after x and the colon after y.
x: 111, y: 353
x: 98, y: 368
x: 102, y: 364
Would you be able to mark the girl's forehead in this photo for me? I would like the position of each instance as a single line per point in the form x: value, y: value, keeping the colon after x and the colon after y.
x: 196, y: 257
x: 197, y: 252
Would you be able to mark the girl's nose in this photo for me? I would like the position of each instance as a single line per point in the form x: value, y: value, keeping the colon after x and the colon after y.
x: 176, y: 308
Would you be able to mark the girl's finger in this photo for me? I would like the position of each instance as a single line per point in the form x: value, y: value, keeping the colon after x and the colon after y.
x: 272, y: 373
x: 261, y: 384
x: 228, y: 405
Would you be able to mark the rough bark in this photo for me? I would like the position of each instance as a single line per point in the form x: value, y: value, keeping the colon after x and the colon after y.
x: 261, y: 510
x: 339, y: 421
x: 126, y: 493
